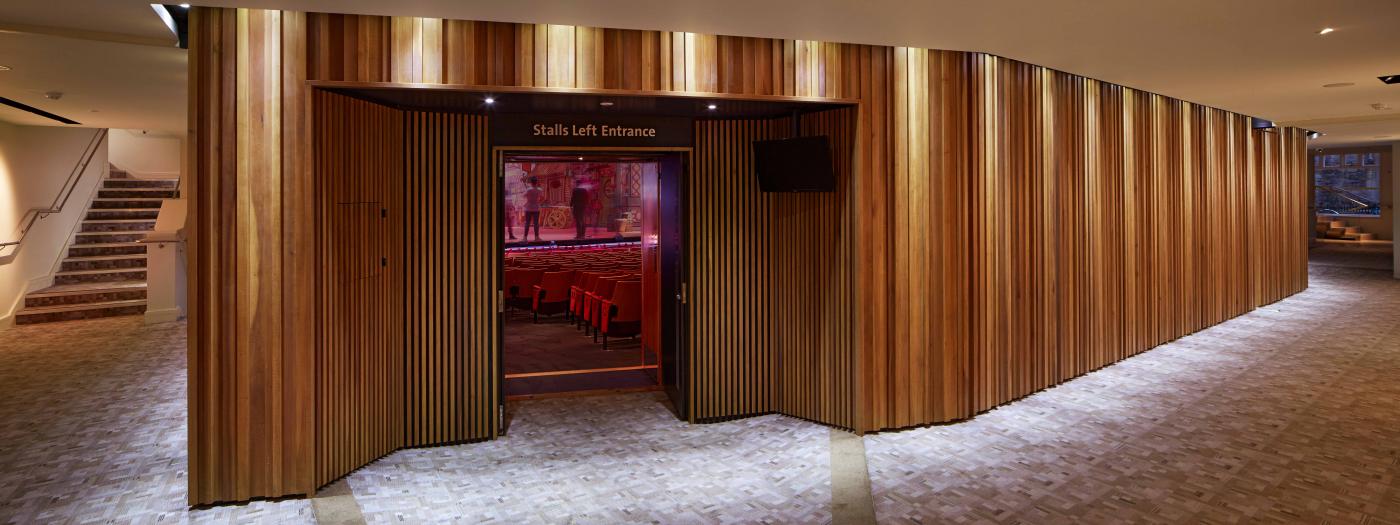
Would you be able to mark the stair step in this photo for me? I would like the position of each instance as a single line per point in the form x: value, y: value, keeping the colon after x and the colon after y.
x: 118, y: 225
x: 106, y: 248
x: 103, y: 262
x: 97, y: 276
x: 85, y: 238
x: 73, y: 312
x: 86, y: 293
x: 120, y: 203
x: 94, y: 214
x: 169, y: 184
x: 140, y: 193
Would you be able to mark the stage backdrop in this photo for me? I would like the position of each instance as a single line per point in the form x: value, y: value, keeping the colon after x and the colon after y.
x: 1004, y: 227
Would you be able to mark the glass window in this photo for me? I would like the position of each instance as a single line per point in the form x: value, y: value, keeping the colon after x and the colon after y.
x: 1348, y: 184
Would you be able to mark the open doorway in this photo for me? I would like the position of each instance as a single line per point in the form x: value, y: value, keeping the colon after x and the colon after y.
x: 591, y: 247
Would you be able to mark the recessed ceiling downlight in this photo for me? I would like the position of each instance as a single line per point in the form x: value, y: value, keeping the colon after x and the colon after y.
x: 1339, y: 84
x: 4, y: 68
x: 1325, y: 30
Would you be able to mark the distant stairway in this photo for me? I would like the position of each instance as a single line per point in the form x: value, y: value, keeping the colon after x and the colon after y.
x: 1334, y: 230
x: 104, y: 273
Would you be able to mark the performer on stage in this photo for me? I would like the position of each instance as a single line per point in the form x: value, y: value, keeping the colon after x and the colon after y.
x: 532, y: 208
x: 579, y: 202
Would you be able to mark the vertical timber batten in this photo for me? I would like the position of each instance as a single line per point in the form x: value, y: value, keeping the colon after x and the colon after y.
x: 1003, y: 227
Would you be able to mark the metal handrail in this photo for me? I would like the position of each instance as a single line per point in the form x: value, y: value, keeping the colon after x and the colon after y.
x: 1346, y: 195
x: 61, y: 200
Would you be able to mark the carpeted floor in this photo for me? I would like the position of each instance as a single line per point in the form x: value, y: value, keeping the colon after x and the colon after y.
x: 1290, y: 414
x: 553, y: 344
x: 1349, y: 257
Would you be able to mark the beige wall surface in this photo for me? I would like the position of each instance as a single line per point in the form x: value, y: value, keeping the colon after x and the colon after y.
x: 147, y: 156
x: 34, y: 163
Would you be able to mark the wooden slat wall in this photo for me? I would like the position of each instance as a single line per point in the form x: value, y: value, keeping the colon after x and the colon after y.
x: 771, y: 279
x: 811, y: 294
x: 250, y: 396
x: 1012, y: 226
x: 452, y: 250
x: 1057, y: 224
x: 360, y: 352
x: 729, y: 295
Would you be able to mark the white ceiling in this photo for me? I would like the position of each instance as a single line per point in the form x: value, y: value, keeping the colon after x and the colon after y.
x: 84, y: 49
x: 1258, y: 57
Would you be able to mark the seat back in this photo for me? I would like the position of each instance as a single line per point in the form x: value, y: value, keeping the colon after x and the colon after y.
x: 586, y: 280
x: 556, y: 285
x: 627, y: 297
x: 604, y: 288
x: 521, y: 281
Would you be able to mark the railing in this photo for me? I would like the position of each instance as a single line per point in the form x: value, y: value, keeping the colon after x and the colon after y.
x: 1359, y: 205
x: 64, y: 192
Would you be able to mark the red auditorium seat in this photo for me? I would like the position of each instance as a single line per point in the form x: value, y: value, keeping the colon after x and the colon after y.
x: 622, y: 315
x: 601, y: 290
x: 552, y: 294
x: 582, y: 283
x: 593, y: 310
x: 518, y: 284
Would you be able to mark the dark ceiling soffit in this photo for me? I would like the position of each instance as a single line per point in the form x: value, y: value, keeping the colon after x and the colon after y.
x: 545, y: 102
x: 31, y: 109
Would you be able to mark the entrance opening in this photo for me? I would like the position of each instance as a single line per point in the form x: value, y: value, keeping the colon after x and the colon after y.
x: 582, y: 273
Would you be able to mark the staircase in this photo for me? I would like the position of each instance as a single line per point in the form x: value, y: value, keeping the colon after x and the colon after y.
x: 104, y: 273
x: 1333, y: 228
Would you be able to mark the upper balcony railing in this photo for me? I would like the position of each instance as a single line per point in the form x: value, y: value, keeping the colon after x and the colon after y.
x: 1331, y: 200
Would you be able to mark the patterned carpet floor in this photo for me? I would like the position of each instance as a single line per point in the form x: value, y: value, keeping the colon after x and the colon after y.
x: 1288, y: 414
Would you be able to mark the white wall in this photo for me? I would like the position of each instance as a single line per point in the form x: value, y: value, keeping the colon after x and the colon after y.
x: 34, y: 163
x: 147, y: 156
x: 1395, y: 189
x: 165, y: 282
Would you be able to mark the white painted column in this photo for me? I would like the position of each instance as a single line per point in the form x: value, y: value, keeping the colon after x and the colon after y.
x: 1394, y: 217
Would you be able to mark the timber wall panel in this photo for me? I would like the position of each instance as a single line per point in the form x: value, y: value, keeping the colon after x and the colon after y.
x: 360, y: 355
x: 251, y: 382
x: 771, y: 279
x: 729, y: 298
x: 1012, y: 226
x: 810, y: 267
x: 452, y: 248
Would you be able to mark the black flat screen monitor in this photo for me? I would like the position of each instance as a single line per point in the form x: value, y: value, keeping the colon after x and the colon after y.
x: 802, y: 164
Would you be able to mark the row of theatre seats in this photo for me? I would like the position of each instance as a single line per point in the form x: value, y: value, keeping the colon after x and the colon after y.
x: 587, y: 286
